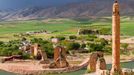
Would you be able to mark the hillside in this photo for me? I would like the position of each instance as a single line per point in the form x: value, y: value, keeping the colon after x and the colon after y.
x: 85, y: 9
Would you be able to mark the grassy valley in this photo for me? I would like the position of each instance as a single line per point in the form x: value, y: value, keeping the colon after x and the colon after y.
x: 64, y: 26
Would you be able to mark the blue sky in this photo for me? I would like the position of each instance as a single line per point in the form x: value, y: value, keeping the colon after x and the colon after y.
x: 15, y: 4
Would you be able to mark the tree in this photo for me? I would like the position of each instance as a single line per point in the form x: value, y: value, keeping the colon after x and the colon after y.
x: 91, y: 37
x: 99, y: 44
x: 1, y: 43
x: 124, y: 46
x: 83, y: 45
x: 10, y: 48
x: 105, y: 31
x: 72, y: 37
x: 24, y: 39
x: 61, y: 38
x: 95, y: 47
x: 101, y: 41
x: 73, y: 46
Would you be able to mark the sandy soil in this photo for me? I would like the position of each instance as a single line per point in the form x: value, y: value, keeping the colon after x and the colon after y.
x: 32, y: 65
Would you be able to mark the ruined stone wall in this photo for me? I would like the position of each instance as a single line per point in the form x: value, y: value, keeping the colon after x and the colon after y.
x: 60, y: 57
x: 27, y: 70
x: 96, y: 62
x: 125, y: 71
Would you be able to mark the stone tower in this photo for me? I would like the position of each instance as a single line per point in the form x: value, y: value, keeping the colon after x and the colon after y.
x: 116, y: 40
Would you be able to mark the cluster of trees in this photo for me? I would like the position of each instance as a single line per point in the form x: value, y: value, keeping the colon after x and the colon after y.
x: 94, y: 43
x: 48, y: 46
x: 61, y: 38
x: 72, y: 43
x: 12, y: 48
x: 100, y: 31
x: 124, y: 49
x: 72, y: 37
x: 20, y: 35
x: 9, y: 48
x: 99, y: 44
x: 105, y: 31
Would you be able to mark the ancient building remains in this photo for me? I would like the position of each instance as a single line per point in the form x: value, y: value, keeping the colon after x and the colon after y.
x: 116, y: 69
x: 39, y: 53
x: 116, y: 40
x: 59, y: 58
x: 93, y: 65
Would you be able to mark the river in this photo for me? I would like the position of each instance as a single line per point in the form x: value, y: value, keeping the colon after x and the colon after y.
x: 82, y: 71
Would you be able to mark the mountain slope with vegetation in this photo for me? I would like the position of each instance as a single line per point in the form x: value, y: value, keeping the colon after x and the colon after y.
x: 85, y: 9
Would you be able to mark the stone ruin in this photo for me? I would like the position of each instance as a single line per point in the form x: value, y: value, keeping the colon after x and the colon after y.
x: 59, y: 54
x: 36, y: 51
x: 116, y: 69
x: 96, y: 62
x: 39, y: 54
x: 59, y: 58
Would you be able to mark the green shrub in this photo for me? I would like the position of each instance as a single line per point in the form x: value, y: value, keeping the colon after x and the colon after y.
x: 1, y: 43
x: 87, y: 37
x: 105, y: 31
x: 26, y: 55
x: 124, y: 52
x: 73, y: 46
x: 61, y: 38
x: 99, y: 44
x: 101, y: 41
x: 72, y: 37
x: 107, y: 49
x: 88, y: 31
x: 133, y: 52
x: 9, y: 48
x: 92, y: 36
x: 97, y: 47
x: 83, y: 45
x: 124, y: 46
x: 51, y: 37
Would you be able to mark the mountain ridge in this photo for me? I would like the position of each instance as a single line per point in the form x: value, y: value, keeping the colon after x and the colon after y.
x: 86, y: 9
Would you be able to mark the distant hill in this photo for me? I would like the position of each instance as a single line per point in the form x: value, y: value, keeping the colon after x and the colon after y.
x: 85, y: 9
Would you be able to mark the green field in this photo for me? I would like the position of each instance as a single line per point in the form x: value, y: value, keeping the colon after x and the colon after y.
x: 33, y: 25
x: 60, y: 26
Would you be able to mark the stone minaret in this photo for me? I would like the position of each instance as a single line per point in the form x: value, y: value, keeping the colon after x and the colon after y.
x: 116, y: 70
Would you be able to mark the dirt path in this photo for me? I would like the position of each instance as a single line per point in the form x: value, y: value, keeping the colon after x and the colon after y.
x: 128, y: 40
